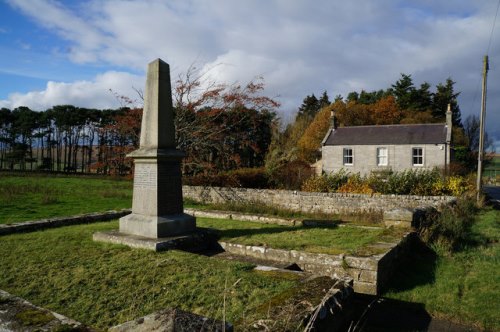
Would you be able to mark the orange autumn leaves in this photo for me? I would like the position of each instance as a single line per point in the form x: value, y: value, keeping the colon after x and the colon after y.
x: 384, y: 111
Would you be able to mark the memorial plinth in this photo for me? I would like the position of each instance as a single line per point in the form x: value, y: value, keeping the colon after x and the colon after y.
x: 157, y: 205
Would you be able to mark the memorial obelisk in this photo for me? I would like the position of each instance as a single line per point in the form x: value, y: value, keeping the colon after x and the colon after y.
x: 157, y: 205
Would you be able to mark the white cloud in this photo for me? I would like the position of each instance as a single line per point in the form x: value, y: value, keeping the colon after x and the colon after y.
x: 301, y: 47
x: 99, y: 93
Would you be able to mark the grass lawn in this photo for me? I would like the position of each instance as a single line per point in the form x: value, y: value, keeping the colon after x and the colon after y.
x: 464, y: 286
x: 25, y: 198
x: 320, y: 239
x: 493, y: 168
x: 102, y: 284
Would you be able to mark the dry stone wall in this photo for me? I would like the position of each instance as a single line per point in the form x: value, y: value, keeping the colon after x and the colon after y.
x: 335, y: 203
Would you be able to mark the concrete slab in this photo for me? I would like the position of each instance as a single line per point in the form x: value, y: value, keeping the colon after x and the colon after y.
x: 200, y: 240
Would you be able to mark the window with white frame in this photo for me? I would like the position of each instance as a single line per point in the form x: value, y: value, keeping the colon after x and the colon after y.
x: 348, y: 160
x: 382, y: 159
x: 417, y: 156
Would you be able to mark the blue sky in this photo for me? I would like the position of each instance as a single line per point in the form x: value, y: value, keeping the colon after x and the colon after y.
x: 74, y: 52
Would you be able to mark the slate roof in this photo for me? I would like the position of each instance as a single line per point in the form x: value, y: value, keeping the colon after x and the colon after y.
x: 434, y: 133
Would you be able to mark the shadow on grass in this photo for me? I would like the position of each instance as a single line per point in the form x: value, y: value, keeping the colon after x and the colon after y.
x: 246, y: 232
x: 382, y: 314
x: 417, y: 268
x: 371, y: 313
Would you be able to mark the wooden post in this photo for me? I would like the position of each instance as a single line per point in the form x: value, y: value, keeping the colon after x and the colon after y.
x: 481, y: 130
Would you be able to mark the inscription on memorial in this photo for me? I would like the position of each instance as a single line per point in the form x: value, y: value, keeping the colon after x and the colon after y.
x: 145, y: 176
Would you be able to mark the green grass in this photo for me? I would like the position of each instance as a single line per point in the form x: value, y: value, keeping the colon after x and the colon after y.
x: 102, y: 284
x: 36, y: 196
x: 464, y: 286
x: 25, y: 198
x: 493, y: 168
x: 321, y: 239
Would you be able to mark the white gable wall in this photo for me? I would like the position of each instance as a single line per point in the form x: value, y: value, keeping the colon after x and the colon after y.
x: 399, y: 157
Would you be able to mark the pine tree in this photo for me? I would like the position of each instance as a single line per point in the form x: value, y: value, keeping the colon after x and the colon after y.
x: 445, y: 95
x: 310, y: 106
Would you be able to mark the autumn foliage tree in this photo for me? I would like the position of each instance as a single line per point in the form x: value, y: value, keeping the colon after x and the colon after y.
x: 310, y: 142
x: 221, y: 126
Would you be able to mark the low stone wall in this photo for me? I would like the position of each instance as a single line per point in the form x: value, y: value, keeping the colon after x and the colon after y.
x: 30, y: 226
x: 243, y: 216
x: 370, y: 274
x: 334, y: 203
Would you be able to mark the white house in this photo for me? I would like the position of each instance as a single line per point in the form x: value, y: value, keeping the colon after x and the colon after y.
x: 363, y: 149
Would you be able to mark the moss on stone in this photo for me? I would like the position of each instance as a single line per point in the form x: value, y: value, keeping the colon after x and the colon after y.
x: 32, y: 317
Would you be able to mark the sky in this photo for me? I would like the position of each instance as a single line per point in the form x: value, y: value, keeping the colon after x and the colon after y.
x: 84, y: 53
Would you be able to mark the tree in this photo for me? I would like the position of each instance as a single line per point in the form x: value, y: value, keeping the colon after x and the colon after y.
x: 404, y: 91
x: 24, y: 123
x: 385, y: 111
x: 471, y: 131
x: 310, y: 142
x: 221, y: 126
x: 310, y: 106
x: 354, y: 114
x: 368, y: 98
x: 5, y: 137
x: 324, y: 100
x: 445, y: 95
x: 422, y: 99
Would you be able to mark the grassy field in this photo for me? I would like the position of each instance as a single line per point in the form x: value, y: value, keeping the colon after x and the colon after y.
x: 464, y: 286
x: 32, y: 197
x: 492, y: 170
x: 102, y: 285
x: 25, y: 198
x: 322, y: 239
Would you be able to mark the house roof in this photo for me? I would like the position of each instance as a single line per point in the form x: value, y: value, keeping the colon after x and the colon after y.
x: 433, y: 133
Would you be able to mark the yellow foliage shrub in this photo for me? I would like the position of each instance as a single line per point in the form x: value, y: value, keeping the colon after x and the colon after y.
x: 457, y: 185
x: 356, y: 185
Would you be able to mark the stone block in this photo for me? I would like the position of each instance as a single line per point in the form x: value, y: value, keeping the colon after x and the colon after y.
x: 367, y: 276
x: 172, y: 320
x: 365, y: 288
x: 194, y: 242
x: 256, y: 251
x: 364, y: 263
x: 234, y: 248
x: 157, y: 226
x: 401, y: 217
x: 279, y: 255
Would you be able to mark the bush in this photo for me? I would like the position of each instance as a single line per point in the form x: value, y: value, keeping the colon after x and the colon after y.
x: 458, y: 185
x: 250, y: 177
x: 449, y: 230
x: 326, y: 183
x: 212, y: 180
x: 244, y: 177
x: 409, y: 182
x: 291, y: 175
x: 356, y: 184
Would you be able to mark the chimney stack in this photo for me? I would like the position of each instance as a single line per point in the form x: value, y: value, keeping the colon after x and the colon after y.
x: 333, y: 122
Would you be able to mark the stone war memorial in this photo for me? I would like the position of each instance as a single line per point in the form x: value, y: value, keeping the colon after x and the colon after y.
x: 158, y: 220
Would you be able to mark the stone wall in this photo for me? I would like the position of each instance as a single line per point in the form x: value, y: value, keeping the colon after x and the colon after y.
x: 370, y: 274
x: 334, y: 203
